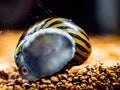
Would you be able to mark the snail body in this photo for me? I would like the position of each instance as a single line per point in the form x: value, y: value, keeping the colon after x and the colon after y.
x: 49, y: 45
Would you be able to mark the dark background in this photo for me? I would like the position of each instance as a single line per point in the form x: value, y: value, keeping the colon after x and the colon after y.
x: 20, y: 14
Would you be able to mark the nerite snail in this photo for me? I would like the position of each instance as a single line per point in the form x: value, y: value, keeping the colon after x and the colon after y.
x: 49, y: 45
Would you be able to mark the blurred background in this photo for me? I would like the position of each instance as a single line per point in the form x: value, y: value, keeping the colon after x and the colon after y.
x: 94, y: 16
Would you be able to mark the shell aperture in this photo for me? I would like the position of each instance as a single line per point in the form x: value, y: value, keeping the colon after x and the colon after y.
x: 48, y: 51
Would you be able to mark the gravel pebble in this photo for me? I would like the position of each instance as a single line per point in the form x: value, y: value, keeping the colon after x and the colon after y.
x: 54, y: 79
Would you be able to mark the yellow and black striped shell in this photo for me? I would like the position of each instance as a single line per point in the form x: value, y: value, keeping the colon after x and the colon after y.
x: 44, y: 35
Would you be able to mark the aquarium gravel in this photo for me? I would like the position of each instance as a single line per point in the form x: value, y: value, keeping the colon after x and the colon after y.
x: 97, y: 77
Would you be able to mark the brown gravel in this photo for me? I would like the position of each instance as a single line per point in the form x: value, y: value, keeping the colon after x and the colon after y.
x: 93, y: 75
x: 97, y: 77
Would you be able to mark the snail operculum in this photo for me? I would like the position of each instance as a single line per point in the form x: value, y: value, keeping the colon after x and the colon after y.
x: 46, y: 52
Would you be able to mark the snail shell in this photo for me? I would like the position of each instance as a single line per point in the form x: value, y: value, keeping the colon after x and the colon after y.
x: 50, y: 45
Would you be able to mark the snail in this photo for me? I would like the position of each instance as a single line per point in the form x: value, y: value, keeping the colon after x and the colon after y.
x: 50, y: 45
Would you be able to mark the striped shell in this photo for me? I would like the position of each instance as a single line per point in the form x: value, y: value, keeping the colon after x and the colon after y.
x: 78, y: 35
